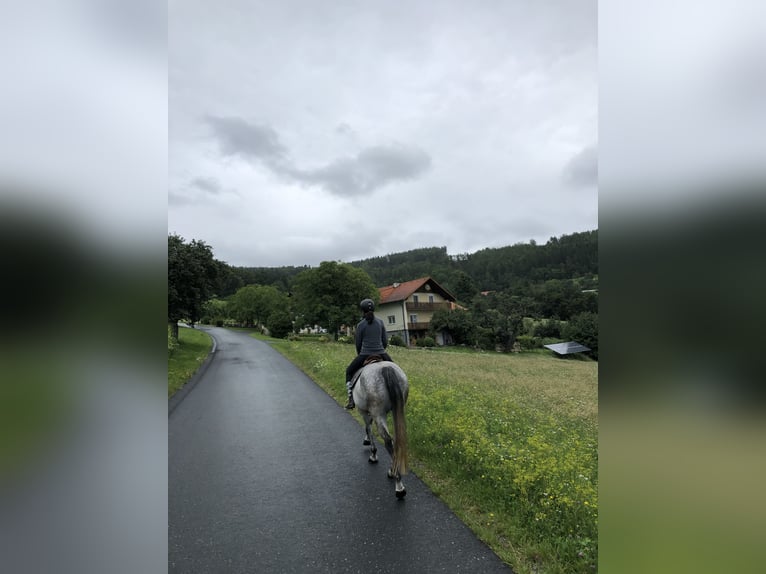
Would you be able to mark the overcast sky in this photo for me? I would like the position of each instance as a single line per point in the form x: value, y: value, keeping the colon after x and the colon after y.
x: 286, y: 132
x: 303, y: 131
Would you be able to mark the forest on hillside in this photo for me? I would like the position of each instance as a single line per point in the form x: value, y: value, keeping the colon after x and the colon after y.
x: 569, y: 257
x: 564, y: 264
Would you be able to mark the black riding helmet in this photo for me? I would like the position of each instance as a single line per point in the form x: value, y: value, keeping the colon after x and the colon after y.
x: 367, y: 305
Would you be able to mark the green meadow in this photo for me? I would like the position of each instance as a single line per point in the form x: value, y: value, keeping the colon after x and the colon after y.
x: 508, y: 441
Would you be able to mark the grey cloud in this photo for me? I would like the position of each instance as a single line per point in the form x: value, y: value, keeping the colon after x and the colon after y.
x: 582, y: 169
x: 344, y: 129
x: 207, y: 184
x: 199, y: 190
x: 175, y: 198
x: 371, y: 169
x: 237, y: 137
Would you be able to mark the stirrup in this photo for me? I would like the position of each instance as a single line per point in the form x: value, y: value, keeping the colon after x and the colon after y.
x: 350, y: 404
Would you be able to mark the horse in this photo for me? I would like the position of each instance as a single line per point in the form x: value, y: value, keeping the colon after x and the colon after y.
x: 382, y: 387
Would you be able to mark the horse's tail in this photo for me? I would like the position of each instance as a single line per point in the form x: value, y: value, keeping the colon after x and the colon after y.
x: 400, y: 424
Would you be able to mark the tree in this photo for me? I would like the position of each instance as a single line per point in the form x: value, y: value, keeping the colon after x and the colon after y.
x: 458, y: 323
x: 498, y: 319
x: 465, y: 288
x: 228, y: 280
x: 215, y: 311
x: 192, y: 278
x: 329, y: 295
x: 253, y: 304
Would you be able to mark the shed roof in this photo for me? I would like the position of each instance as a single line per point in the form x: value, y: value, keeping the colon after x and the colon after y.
x: 567, y: 348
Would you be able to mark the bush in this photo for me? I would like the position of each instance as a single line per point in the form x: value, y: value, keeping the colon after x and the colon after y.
x: 279, y: 324
x: 528, y: 343
x: 548, y: 328
x: 428, y: 342
x: 346, y: 339
x: 583, y: 328
x: 396, y: 341
x: 528, y: 325
x: 172, y: 343
x: 485, y: 338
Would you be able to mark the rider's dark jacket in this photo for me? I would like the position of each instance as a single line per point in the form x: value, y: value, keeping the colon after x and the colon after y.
x: 371, y: 338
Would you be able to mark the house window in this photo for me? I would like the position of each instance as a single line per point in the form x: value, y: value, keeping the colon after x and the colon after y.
x: 430, y: 298
x: 391, y: 319
x: 413, y: 318
x: 414, y: 298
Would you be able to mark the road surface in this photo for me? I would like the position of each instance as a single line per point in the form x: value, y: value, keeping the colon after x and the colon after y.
x: 267, y: 473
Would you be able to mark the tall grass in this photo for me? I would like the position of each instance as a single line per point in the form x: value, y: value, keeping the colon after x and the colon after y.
x: 509, y: 442
x: 185, y: 357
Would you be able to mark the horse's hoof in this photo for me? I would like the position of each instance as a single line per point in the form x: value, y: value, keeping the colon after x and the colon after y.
x: 390, y: 474
x: 401, y: 493
x: 372, y: 460
x: 366, y: 442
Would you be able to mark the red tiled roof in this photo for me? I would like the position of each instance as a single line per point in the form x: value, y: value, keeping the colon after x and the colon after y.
x: 401, y: 291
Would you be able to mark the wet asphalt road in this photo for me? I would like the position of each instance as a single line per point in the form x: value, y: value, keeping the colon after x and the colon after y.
x: 267, y: 473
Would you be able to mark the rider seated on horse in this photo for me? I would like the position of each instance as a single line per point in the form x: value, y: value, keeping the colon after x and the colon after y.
x: 371, y: 339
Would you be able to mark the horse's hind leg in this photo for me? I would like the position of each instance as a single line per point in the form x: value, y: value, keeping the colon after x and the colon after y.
x: 388, y: 441
x: 368, y: 439
x: 401, y: 492
x: 367, y: 434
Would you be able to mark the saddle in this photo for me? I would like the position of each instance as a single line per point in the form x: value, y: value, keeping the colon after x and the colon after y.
x: 368, y: 361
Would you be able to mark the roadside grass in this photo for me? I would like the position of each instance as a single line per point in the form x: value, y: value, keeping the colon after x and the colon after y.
x: 261, y: 337
x: 183, y: 360
x: 255, y: 333
x: 509, y: 442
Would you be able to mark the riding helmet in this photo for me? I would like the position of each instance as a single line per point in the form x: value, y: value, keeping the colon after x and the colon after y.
x: 367, y: 305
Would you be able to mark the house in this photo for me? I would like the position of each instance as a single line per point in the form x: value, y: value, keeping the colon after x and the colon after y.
x: 406, y: 308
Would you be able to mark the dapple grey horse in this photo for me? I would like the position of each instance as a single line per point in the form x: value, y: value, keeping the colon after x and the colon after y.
x: 382, y: 387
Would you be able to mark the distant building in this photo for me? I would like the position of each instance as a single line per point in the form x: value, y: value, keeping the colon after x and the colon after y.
x: 406, y: 308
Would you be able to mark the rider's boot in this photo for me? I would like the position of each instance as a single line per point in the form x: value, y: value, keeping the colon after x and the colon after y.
x: 350, y: 404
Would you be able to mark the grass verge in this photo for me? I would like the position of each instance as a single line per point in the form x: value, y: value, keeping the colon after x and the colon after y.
x: 185, y: 358
x: 509, y: 442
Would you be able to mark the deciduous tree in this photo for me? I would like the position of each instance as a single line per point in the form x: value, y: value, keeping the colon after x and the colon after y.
x: 329, y: 295
x: 192, y: 278
x: 253, y: 304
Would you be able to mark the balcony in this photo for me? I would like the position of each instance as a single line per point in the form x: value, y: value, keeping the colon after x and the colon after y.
x: 426, y: 307
x: 418, y: 326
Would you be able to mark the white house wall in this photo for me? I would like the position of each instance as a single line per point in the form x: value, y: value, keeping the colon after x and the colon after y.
x: 398, y: 310
x: 399, y: 326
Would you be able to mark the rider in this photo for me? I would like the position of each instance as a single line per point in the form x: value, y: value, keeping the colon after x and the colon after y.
x: 371, y: 339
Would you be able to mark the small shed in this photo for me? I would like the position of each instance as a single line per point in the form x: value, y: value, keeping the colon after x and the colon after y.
x: 567, y: 348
